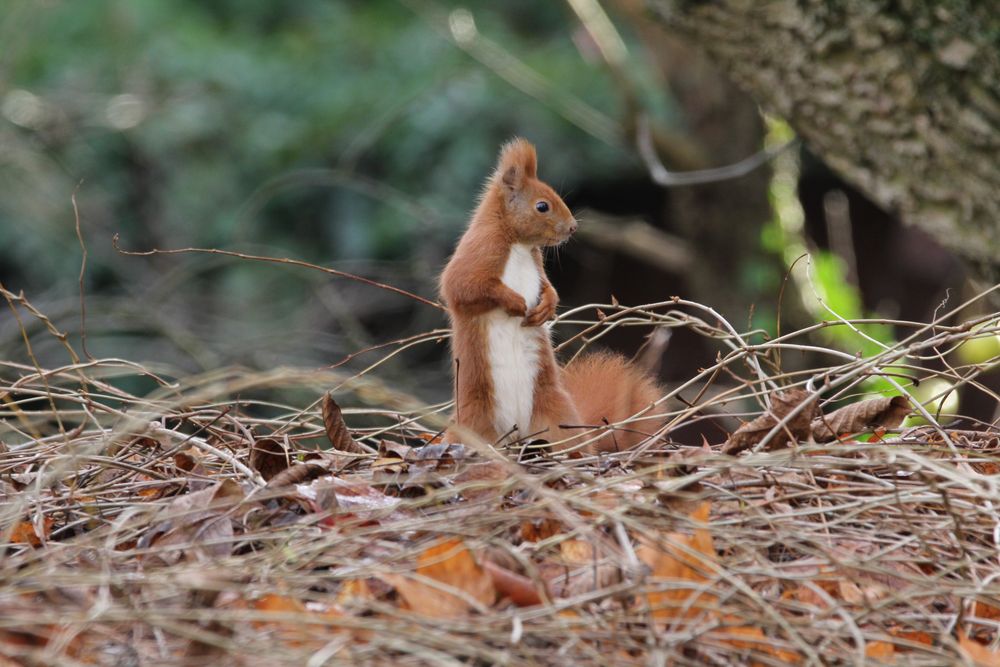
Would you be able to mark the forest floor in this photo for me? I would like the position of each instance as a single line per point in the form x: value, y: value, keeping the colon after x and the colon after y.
x: 205, y: 523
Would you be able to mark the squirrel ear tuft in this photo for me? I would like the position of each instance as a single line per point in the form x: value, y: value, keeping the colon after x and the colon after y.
x: 517, y: 162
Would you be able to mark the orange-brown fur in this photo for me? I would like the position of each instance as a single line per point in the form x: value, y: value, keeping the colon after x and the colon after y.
x: 607, y: 388
x: 473, y: 289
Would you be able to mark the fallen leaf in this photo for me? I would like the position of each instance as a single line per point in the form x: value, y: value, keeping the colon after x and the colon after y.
x: 274, y: 603
x: 352, y: 592
x: 680, y: 558
x: 197, y: 521
x: 442, y: 456
x: 582, y: 567
x: 391, y: 449
x: 307, y: 628
x: 336, y: 429
x: 985, y: 611
x: 517, y: 588
x: 850, y: 592
x: 190, y: 461
x: 537, y: 530
x: 976, y: 652
x: 431, y: 438
x: 297, y: 474
x: 481, y: 480
x: 457, y: 582
x: 25, y: 532
x: 879, y: 650
x: 913, y: 636
x: 577, y: 552
x: 269, y: 457
x: 782, y: 403
x: 862, y: 416
x: 750, y: 638
x: 321, y: 494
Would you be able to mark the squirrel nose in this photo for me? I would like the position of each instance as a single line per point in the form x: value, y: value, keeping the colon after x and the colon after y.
x: 572, y: 227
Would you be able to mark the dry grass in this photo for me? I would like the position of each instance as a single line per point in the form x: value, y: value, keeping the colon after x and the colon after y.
x: 822, y: 553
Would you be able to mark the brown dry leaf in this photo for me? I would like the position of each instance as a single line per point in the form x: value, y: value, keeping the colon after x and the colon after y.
x: 782, y: 403
x: 336, y: 429
x: 985, y: 611
x: 670, y: 560
x: 352, y: 592
x: 297, y: 474
x: 913, y: 636
x: 187, y: 460
x: 431, y: 438
x: 577, y: 552
x: 863, y: 416
x: 581, y: 567
x: 198, y: 520
x: 388, y: 449
x: 850, y: 592
x: 25, y: 532
x: 462, y: 582
x: 272, y: 602
x: 191, y: 461
x: 805, y: 595
x: 442, y: 456
x: 881, y: 651
x: 537, y: 530
x: 749, y: 638
x: 356, y: 501
x: 481, y: 480
x: 519, y: 589
x: 840, y: 589
x: 269, y: 457
x: 293, y: 631
x: 579, y: 580
x: 976, y: 652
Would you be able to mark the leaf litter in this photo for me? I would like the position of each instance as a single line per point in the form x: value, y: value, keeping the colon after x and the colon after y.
x: 809, y: 535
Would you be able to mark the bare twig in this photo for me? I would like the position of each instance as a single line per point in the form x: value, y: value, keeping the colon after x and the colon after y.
x: 275, y: 260
x: 672, y: 179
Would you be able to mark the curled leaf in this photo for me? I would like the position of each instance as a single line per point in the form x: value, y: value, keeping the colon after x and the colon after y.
x: 268, y: 457
x: 336, y: 429
x: 297, y: 474
x: 862, y: 416
x: 782, y: 404
x: 519, y: 589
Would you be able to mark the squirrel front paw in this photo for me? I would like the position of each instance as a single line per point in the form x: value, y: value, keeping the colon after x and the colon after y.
x: 515, y: 305
x: 540, y: 314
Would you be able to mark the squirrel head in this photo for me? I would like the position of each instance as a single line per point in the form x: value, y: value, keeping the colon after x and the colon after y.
x: 532, y: 212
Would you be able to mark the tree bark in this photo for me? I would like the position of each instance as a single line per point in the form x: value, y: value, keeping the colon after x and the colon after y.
x: 900, y: 97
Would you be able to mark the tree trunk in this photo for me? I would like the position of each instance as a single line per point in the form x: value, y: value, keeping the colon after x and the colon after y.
x: 901, y: 97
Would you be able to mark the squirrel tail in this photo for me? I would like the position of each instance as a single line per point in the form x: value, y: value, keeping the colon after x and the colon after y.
x: 608, y: 388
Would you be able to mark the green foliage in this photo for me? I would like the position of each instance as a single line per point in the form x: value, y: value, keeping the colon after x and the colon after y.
x: 819, y: 276
x: 174, y: 113
x: 331, y: 131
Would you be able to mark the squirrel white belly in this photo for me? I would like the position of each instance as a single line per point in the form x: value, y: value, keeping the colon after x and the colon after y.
x: 514, y: 349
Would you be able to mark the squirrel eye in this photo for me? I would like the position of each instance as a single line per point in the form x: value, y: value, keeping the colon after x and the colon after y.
x: 542, y: 207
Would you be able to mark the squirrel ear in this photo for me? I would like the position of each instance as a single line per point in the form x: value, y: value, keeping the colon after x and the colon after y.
x: 517, y: 162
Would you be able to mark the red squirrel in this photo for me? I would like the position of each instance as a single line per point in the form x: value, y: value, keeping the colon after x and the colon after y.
x: 508, y: 384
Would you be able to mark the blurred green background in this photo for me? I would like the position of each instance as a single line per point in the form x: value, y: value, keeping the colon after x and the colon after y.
x: 357, y: 135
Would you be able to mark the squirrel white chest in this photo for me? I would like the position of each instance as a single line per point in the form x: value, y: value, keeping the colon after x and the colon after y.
x: 521, y: 274
x: 514, y: 349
